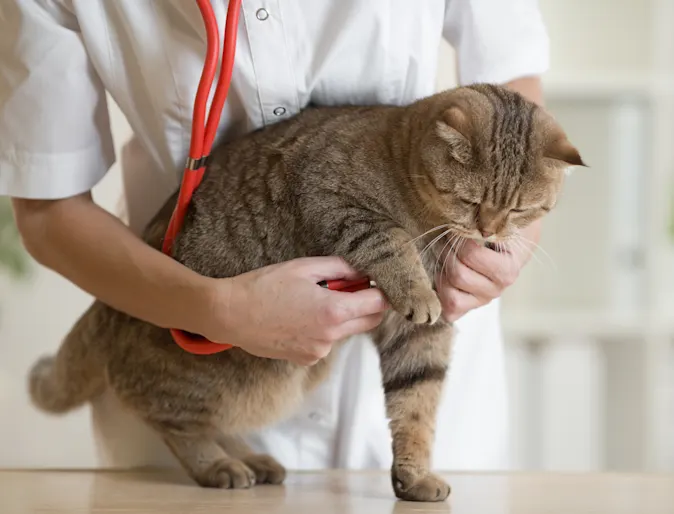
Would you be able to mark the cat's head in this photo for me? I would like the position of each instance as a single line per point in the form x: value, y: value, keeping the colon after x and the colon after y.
x: 490, y: 162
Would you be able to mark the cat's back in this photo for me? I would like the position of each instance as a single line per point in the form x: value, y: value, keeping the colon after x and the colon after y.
x: 246, y: 212
x: 301, y: 134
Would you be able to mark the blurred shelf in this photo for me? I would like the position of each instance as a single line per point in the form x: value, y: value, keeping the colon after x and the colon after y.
x: 609, y: 85
x: 525, y: 323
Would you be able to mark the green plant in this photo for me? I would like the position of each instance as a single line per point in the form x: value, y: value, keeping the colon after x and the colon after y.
x: 13, y: 258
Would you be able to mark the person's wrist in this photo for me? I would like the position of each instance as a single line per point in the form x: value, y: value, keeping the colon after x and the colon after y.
x: 215, y: 315
x: 203, y: 311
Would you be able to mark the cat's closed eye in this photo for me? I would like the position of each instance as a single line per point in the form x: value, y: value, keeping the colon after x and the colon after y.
x: 469, y: 203
x: 531, y: 209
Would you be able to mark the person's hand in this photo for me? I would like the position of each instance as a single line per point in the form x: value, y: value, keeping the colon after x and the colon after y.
x: 477, y: 274
x: 280, y: 312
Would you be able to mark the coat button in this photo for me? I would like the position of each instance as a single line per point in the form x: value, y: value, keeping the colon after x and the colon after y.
x: 279, y: 111
x: 262, y: 14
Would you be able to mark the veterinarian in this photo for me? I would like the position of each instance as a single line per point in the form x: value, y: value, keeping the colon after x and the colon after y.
x: 58, y: 58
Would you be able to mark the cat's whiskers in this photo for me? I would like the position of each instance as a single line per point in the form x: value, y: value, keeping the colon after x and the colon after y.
x: 413, y: 240
x: 514, y: 251
x: 538, y: 247
x: 525, y: 251
x: 438, y: 255
x: 458, y: 250
x: 508, y: 248
x: 432, y: 243
x: 450, y: 240
x: 429, y: 245
x: 459, y: 240
x: 425, y: 249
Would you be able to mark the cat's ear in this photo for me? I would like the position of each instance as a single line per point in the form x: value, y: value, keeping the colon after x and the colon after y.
x: 562, y: 150
x: 453, y: 128
x: 556, y: 144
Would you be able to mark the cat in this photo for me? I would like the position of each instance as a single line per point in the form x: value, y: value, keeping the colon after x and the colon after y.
x: 359, y: 182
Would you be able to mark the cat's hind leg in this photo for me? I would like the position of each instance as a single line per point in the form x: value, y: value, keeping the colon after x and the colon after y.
x: 207, y: 463
x: 267, y: 469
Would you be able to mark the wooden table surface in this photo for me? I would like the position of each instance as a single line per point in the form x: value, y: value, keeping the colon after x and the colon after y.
x: 332, y: 493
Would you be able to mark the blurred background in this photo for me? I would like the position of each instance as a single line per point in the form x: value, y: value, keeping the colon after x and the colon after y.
x: 589, y: 325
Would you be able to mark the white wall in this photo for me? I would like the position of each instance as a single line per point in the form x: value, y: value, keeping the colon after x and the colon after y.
x: 33, y: 319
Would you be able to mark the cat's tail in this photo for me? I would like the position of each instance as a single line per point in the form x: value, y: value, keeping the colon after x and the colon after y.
x: 75, y: 375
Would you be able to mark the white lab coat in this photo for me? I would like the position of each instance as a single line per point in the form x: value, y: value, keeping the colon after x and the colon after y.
x: 57, y: 59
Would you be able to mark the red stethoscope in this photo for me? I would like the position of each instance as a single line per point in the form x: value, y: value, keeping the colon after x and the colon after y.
x: 200, y: 149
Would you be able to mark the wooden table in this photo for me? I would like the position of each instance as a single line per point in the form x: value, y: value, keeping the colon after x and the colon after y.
x: 332, y: 493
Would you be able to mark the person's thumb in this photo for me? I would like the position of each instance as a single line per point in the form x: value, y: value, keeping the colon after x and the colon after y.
x: 330, y: 268
x: 365, y: 302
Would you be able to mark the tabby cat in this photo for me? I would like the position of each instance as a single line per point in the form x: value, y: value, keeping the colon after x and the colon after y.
x: 356, y: 182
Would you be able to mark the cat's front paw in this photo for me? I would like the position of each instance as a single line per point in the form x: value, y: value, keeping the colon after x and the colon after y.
x: 420, y: 305
x: 412, y: 484
x: 227, y: 474
x: 267, y: 470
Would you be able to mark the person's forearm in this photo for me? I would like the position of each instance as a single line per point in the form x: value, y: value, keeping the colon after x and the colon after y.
x: 530, y: 88
x: 99, y: 254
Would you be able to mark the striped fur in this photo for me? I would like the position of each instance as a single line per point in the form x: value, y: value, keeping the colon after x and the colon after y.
x: 362, y: 183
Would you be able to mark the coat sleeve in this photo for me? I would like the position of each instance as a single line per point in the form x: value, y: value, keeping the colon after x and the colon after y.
x: 496, y: 40
x: 55, y: 137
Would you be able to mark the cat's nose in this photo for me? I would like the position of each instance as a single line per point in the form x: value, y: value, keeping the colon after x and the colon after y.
x: 486, y: 232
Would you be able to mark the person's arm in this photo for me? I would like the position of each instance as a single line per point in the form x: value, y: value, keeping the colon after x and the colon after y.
x: 85, y: 244
x: 257, y: 311
x: 530, y: 88
x: 55, y: 145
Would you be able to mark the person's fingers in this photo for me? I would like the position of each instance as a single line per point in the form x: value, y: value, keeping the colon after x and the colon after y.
x: 456, y: 303
x: 497, y: 267
x: 357, y: 326
x: 469, y: 281
x: 327, y: 268
x: 480, y: 259
x: 342, y: 307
